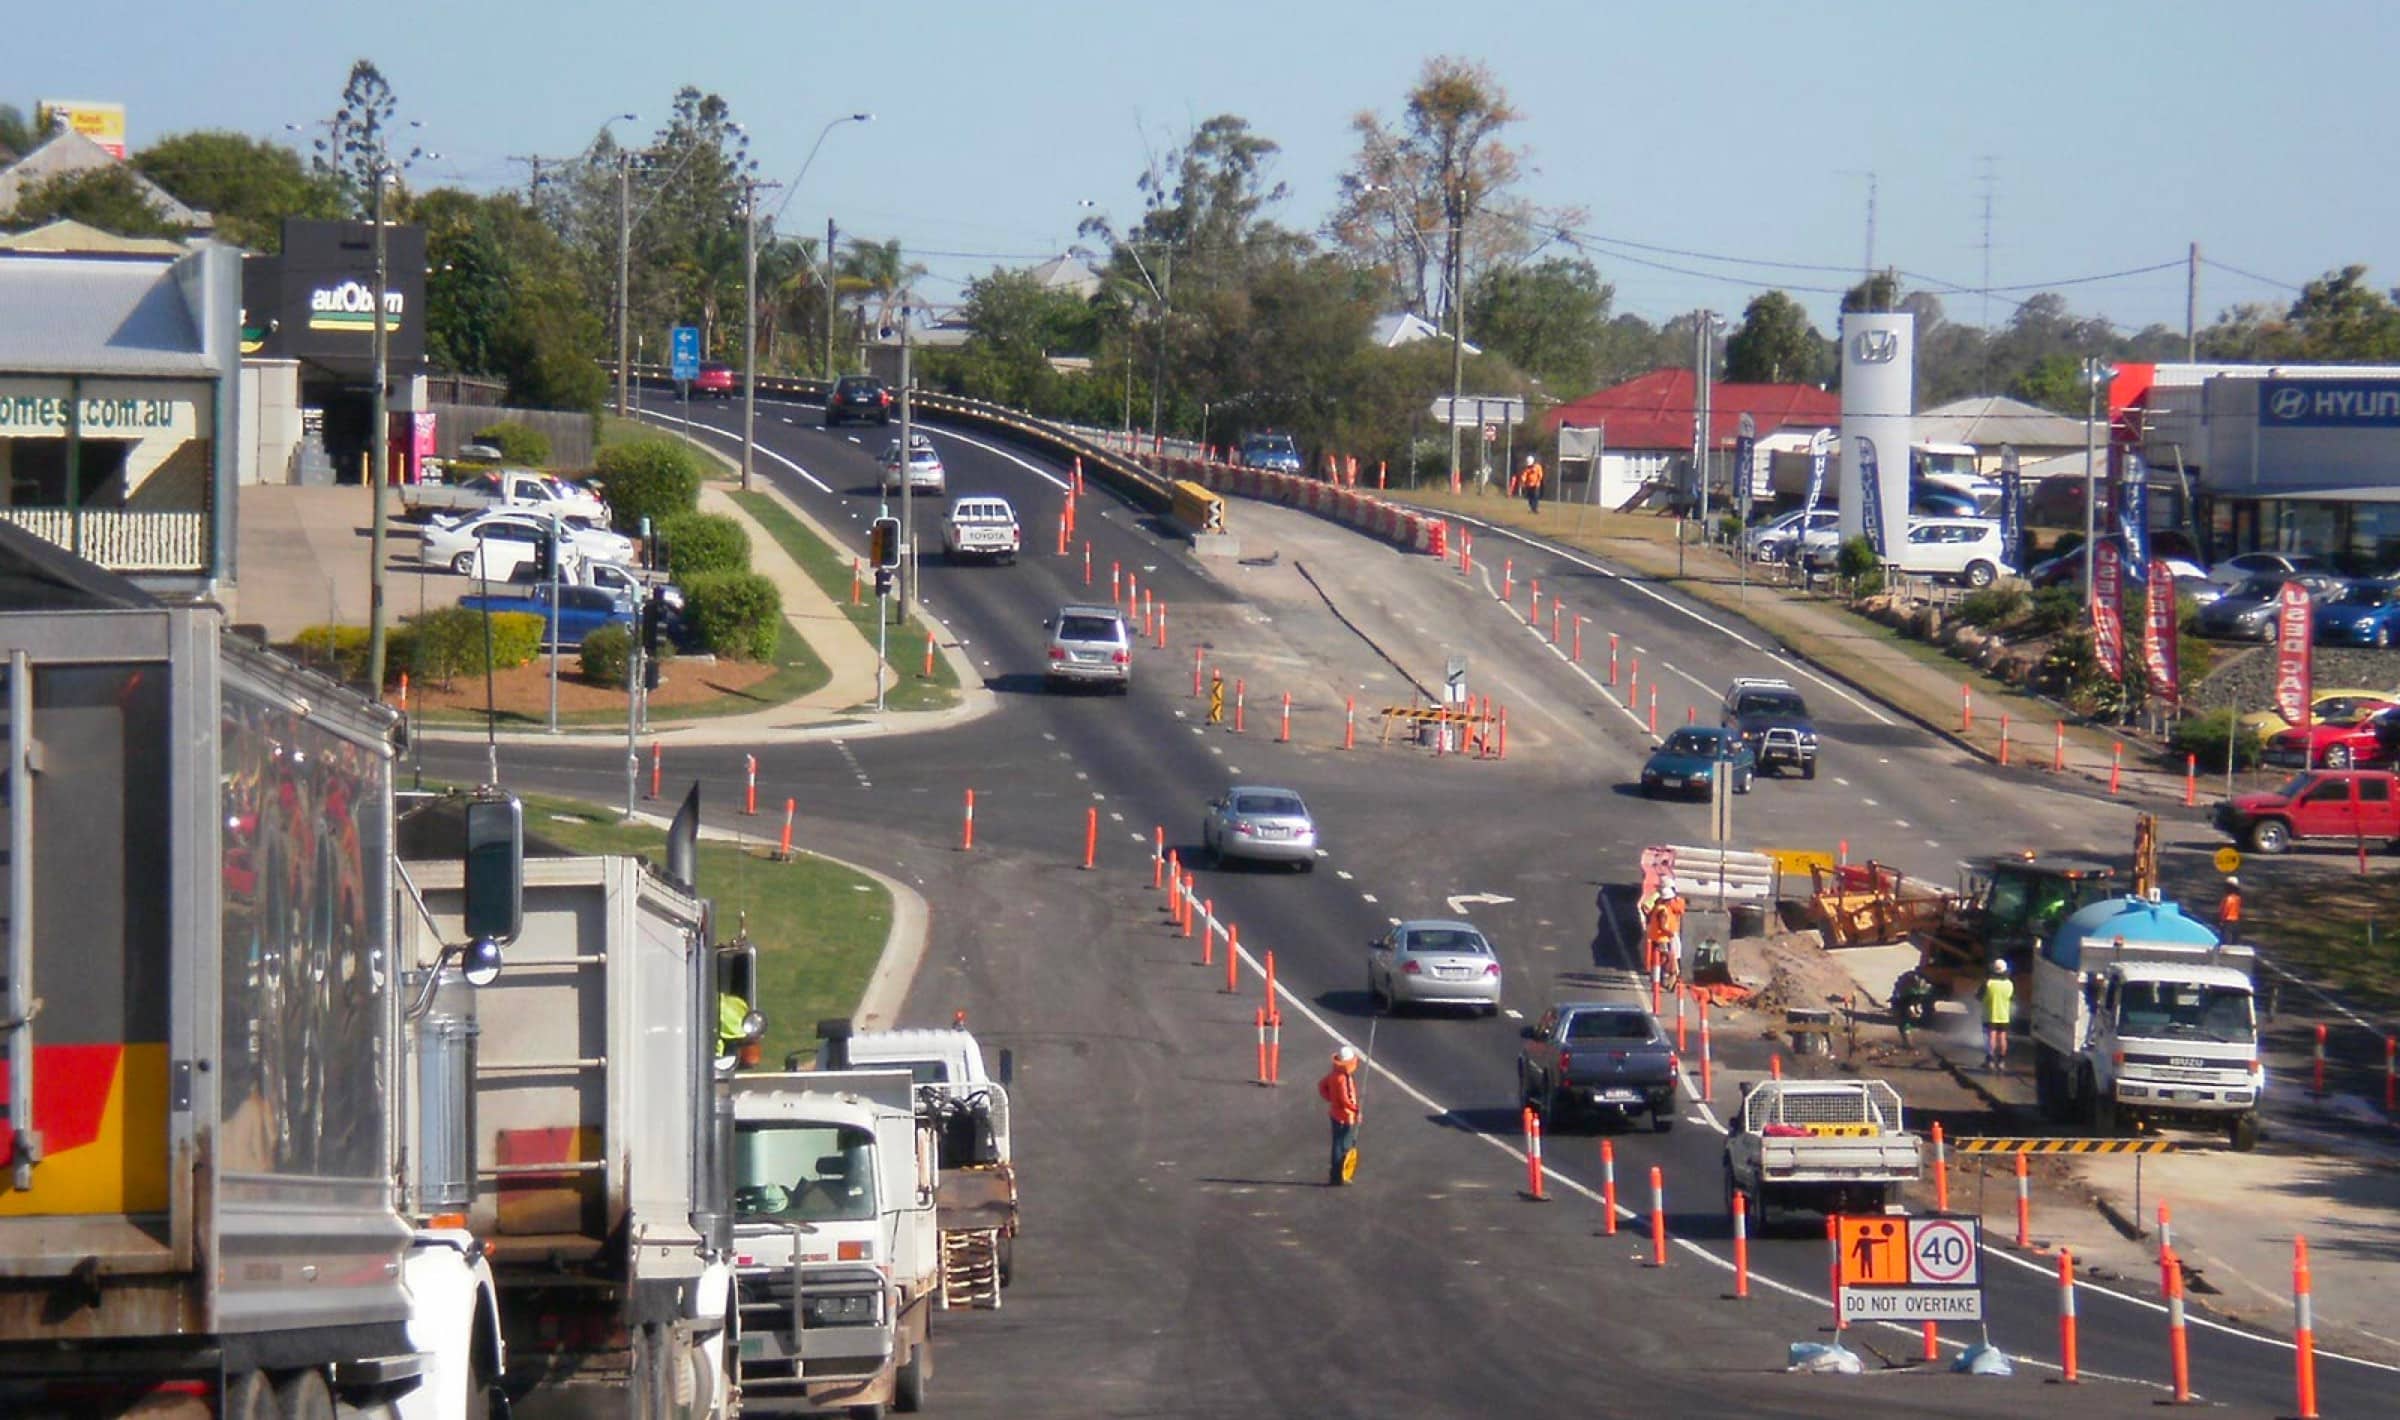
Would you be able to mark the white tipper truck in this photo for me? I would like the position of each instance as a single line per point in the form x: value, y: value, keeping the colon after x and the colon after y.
x: 834, y: 1177
x: 204, y: 1043
x: 2141, y: 1016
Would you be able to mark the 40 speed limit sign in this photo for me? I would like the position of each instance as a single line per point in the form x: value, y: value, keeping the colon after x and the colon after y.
x: 1910, y: 1269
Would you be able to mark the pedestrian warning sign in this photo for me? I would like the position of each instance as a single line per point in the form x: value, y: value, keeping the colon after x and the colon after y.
x: 1910, y: 1269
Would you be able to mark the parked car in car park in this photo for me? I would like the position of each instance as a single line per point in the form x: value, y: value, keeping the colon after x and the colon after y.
x: 577, y: 612
x: 2340, y: 704
x: 858, y: 397
x: 2246, y: 612
x: 1773, y: 541
x: 2357, y: 738
x: 1089, y: 645
x: 1260, y: 824
x: 618, y: 577
x: 2367, y: 613
x: 2243, y: 566
x: 1968, y: 549
x: 1433, y: 963
x: 490, y: 544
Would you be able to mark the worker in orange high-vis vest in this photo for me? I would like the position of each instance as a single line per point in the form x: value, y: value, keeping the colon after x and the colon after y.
x: 2229, y: 912
x: 1662, y: 932
x: 1529, y: 483
x: 1339, y: 1090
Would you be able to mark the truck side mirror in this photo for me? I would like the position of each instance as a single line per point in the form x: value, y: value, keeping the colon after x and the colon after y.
x: 1008, y: 1066
x: 495, y: 869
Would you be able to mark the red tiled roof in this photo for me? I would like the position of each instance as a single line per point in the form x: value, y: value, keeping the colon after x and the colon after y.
x: 1654, y: 411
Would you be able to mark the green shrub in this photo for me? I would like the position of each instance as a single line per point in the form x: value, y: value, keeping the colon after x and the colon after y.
x: 339, y: 651
x: 2055, y: 609
x: 1729, y: 528
x: 449, y: 643
x: 703, y: 544
x: 606, y: 655
x: 1857, y: 558
x: 1868, y: 584
x: 1993, y: 606
x: 648, y: 478
x: 517, y: 443
x: 735, y: 614
x: 2209, y: 736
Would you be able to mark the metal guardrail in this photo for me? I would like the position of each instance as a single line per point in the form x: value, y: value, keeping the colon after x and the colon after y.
x: 1152, y: 492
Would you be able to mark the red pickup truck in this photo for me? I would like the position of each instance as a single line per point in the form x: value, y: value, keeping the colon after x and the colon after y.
x: 2350, y: 804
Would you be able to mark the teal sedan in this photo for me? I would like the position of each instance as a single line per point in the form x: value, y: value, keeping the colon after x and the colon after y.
x: 1688, y: 760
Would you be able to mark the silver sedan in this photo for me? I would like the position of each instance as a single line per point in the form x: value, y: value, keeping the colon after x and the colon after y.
x: 1434, y: 964
x: 1261, y: 824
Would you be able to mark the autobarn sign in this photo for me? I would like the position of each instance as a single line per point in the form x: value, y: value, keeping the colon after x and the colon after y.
x: 315, y: 300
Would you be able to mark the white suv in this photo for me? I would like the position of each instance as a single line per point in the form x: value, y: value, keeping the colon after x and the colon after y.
x: 1965, y: 548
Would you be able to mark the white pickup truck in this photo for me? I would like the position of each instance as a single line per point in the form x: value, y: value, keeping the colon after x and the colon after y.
x: 1829, y: 1146
x: 505, y: 488
x: 981, y: 526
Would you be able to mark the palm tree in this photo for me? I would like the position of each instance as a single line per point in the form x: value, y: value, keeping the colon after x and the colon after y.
x: 875, y: 271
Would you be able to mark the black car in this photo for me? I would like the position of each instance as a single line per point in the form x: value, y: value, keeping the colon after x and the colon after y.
x: 1773, y: 721
x: 860, y: 397
x: 2247, y: 613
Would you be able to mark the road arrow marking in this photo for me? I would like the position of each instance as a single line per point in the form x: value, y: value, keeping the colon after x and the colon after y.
x: 1460, y: 903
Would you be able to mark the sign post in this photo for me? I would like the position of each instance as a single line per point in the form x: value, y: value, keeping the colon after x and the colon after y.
x: 1910, y: 1269
x: 684, y: 354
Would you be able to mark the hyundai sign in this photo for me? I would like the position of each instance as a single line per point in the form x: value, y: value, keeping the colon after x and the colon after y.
x: 2329, y: 404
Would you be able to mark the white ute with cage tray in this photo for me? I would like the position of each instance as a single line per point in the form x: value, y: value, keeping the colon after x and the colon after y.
x: 1830, y: 1146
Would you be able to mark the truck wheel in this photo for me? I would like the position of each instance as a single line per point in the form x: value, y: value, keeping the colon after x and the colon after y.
x: 2243, y: 1136
x: 2269, y: 837
x: 1808, y: 769
x: 250, y: 1396
x: 1008, y: 1260
x: 908, y: 1383
x: 303, y: 1395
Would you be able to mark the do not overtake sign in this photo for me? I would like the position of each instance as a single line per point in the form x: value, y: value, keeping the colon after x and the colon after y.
x: 1910, y: 1269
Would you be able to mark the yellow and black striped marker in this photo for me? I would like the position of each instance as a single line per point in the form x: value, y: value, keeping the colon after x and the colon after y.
x: 1972, y: 1145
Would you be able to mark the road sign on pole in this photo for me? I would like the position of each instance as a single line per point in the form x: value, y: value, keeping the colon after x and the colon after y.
x: 684, y: 358
x: 1910, y: 1269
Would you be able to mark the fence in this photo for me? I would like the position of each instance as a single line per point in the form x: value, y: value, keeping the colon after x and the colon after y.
x: 122, y: 541
x: 570, y: 435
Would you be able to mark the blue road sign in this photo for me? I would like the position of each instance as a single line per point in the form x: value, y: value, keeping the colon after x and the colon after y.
x: 685, y: 364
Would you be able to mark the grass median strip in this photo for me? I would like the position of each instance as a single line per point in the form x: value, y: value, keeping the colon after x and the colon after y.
x: 819, y: 925
x: 909, y: 688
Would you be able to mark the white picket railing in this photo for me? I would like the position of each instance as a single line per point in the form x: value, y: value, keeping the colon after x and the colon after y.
x: 122, y: 540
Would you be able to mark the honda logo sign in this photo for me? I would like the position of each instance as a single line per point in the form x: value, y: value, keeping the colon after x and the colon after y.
x: 1875, y: 347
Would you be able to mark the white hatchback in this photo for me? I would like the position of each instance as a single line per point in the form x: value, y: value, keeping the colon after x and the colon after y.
x: 1966, y: 548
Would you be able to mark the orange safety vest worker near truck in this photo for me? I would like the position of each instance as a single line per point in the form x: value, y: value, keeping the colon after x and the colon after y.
x: 1339, y: 1090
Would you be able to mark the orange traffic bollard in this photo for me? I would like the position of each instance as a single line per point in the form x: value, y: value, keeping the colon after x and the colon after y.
x: 2024, y: 1204
x: 1267, y: 962
x: 1241, y: 692
x: 1162, y: 626
x: 1116, y: 578
x: 1508, y: 579
x: 1533, y: 1156
x: 2191, y: 780
x: 1158, y: 854
x: 750, y: 786
x: 1501, y: 752
x: 1775, y: 1066
x: 1197, y: 654
x: 1658, y: 1216
x: 790, y: 807
x: 2066, y: 1316
x: 1259, y: 1017
x: 929, y: 653
x: 854, y: 581
x: 1577, y: 654
x: 1535, y: 602
x: 1087, y: 564
x: 1741, y: 1244
x: 2316, y: 1079
x: 1091, y: 837
x: 1966, y: 706
x: 2116, y: 765
x: 656, y: 750
x: 2304, y: 1330
x: 966, y: 837
x: 1208, y: 930
x: 1274, y: 1045
x: 1654, y: 709
x: 1233, y: 959
x: 2004, y: 738
x: 1284, y: 735
x: 1608, y: 1188
x: 1941, y: 1171
x: 1708, y: 1084
x: 1681, y: 996
x: 2179, y: 1356
x: 2058, y: 747
x: 1555, y: 611
x: 1349, y: 722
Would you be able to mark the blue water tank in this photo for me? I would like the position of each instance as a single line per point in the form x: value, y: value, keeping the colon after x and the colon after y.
x: 2133, y: 918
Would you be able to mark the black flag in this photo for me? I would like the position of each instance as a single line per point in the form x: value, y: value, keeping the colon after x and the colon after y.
x: 683, y: 843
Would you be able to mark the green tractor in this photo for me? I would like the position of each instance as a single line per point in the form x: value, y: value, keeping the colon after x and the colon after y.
x: 2005, y: 908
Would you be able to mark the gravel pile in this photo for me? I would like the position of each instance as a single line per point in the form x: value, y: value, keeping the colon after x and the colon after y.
x: 2246, y: 679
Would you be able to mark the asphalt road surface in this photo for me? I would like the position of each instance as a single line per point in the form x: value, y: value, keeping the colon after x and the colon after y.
x: 1182, y: 1254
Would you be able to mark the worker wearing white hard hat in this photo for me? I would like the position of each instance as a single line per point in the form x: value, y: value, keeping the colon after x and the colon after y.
x: 1999, y: 998
x: 1339, y: 1090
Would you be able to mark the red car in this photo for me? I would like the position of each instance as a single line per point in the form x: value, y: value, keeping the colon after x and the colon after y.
x: 715, y: 382
x: 2354, y: 804
x: 2351, y: 740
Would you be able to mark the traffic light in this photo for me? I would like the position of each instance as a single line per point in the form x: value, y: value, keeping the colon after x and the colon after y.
x: 654, y: 625
x: 884, y: 544
x: 545, y: 557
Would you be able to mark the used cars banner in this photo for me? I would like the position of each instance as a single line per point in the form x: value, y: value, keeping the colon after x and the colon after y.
x: 2160, y: 652
x: 2108, y: 609
x: 2293, y: 670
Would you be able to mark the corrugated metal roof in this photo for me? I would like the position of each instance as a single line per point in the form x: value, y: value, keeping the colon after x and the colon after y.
x: 1654, y: 411
x: 1988, y: 421
x: 69, y: 153
x: 96, y: 315
x: 68, y: 235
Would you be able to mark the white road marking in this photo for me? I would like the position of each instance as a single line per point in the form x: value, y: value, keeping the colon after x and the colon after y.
x: 1035, y: 469
x: 1900, y: 823
x: 1838, y: 779
x: 818, y: 483
x: 1512, y: 1013
x: 1342, y: 873
x: 1869, y: 803
x: 1368, y: 896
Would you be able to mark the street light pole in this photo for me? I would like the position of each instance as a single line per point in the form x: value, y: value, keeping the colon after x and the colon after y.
x: 2091, y: 425
x: 825, y: 268
x: 380, y: 433
x: 908, y: 482
x: 1456, y: 196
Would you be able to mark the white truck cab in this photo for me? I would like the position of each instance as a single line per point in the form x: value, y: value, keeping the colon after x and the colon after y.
x: 835, y: 1246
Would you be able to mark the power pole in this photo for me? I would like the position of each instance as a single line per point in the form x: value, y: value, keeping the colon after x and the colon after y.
x: 624, y: 268
x: 1457, y: 201
x: 908, y: 482
x: 380, y: 451
x: 750, y: 189
x: 2191, y: 306
x: 829, y: 303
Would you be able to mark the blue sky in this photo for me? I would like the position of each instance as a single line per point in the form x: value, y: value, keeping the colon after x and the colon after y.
x: 2114, y: 133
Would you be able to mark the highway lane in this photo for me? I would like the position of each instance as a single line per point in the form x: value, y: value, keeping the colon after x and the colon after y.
x: 1497, y: 828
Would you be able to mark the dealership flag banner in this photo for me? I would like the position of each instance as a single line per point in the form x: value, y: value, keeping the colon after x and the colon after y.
x: 2294, y: 673
x: 2108, y: 609
x: 1870, y: 497
x: 2012, y: 516
x: 2160, y: 651
x: 2133, y: 514
x: 1819, y: 445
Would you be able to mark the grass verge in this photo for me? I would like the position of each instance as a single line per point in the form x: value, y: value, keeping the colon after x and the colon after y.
x: 910, y: 688
x: 2343, y: 933
x: 819, y: 925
